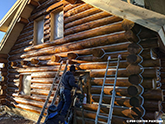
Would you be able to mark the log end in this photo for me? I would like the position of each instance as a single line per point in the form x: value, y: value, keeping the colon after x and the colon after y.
x: 134, y: 79
x: 55, y: 58
x: 133, y: 48
x: 72, y: 55
x: 34, y: 61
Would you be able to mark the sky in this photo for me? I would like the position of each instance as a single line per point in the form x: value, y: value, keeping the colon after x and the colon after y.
x: 5, y: 6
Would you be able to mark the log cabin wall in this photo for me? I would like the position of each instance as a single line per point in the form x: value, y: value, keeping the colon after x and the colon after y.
x: 90, y: 36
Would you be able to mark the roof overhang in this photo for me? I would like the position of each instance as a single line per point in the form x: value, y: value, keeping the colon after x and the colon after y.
x: 11, y: 26
x: 6, y: 20
x: 147, y: 18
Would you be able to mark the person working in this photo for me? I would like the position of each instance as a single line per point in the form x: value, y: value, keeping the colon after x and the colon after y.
x: 69, y: 82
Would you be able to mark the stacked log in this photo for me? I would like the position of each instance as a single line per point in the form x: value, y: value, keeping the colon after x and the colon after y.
x: 3, y: 81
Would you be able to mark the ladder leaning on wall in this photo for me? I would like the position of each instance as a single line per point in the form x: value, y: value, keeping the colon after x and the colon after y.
x: 57, y: 77
x: 111, y: 106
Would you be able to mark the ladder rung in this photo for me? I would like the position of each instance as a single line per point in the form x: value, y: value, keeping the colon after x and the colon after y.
x: 103, y: 117
x: 110, y: 75
x: 111, y: 66
x: 105, y: 105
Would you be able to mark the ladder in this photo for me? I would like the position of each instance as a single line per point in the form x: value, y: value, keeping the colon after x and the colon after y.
x: 111, y: 106
x: 51, y: 89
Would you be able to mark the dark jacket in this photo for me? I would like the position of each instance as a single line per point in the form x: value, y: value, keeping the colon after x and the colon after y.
x: 69, y: 80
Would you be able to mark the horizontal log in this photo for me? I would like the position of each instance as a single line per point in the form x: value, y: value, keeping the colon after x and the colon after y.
x: 120, y: 82
x: 2, y: 96
x: 149, y: 43
x: 43, y: 63
x: 16, y: 51
x: 22, y: 35
x: 41, y: 86
x: 92, y: 115
x: 41, y: 92
x: 29, y: 37
x: 42, y: 80
x: 108, y: 91
x: 15, y: 57
x: 41, y: 69
x: 92, y: 17
x: 91, y: 25
x: 34, y: 97
x: 122, y: 112
x: 47, y: 57
x: 14, y: 75
x: 3, y: 55
x: 77, y: 10
x: 3, y: 69
x: 148, y: 73
x: 154, y: 94
x: 118, y: 101
x: 100, y: 73
x: 27, y: 102
x: 43, y: 74
x: 3, y: 60
x: 151, y: 63
x: 70, y: 6
x: 99, y: 65
x: 13, y: 84
x: 82, y: 15
x: 20, y: 45
x: 4, y: 73
x: 107, y: 48
x: 25, y: 107
x: 152, y: 116
x: 56, y: 5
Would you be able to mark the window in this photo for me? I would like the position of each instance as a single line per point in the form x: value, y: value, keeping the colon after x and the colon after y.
x: 25, y: 84
x: 39, y: 31
x: 57, y: 24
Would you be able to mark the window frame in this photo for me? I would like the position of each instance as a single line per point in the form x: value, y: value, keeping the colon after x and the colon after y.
x: 35, y: 40
x: 59, y: 9
x: 21, y: 84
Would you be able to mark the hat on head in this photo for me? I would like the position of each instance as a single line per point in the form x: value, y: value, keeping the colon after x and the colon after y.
x: 72, y: 68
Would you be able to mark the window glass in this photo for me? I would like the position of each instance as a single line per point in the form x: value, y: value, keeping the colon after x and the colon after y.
x: 26, y: 84
x: 40, y: 31
x: 58, y: 24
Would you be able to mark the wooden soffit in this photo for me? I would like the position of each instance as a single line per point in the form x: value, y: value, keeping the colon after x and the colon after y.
x: 14, y: 28
x: 6, y: 20
x: 147, y: 18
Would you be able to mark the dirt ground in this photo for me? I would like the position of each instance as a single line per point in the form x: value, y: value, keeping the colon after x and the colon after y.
x: 7, y: 118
